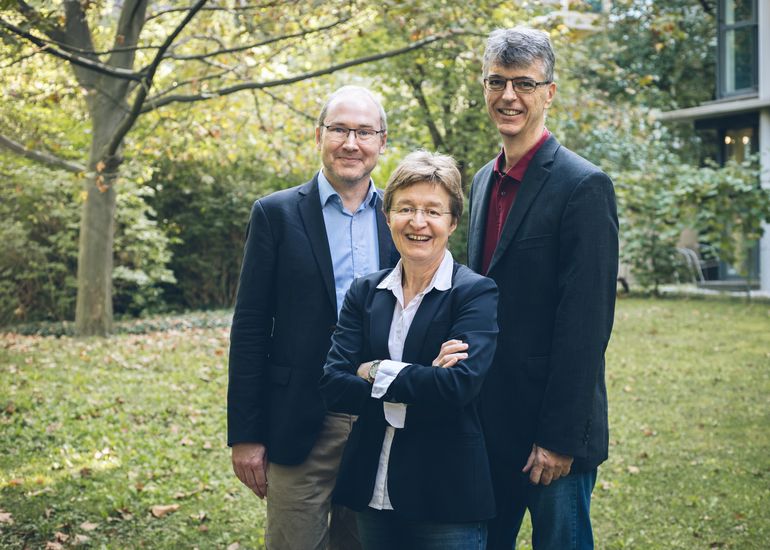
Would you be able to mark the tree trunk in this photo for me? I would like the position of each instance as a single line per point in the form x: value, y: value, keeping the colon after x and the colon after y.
x: 93, y: 313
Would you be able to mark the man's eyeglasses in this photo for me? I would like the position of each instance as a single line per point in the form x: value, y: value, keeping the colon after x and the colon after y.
x: 520, y: 85
x: 340, y: 133
x: 410, y: 212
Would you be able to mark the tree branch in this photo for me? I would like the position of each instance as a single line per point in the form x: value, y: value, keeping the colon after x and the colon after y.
x: 72, y: 58
x: 128, y: 121
x: 129, y: 28
x: 288, y: 105
x: 259, y: 44
x: 214, y: 8
x: 40, y: 156
x: 419, y: 94
x: 47, y: 25
x: 157, y: 103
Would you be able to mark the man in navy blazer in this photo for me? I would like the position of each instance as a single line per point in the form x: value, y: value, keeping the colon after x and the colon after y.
x: 305, y: 245
x: 543, y: 225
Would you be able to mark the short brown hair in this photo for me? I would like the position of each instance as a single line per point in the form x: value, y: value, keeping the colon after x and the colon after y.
x: 426, y: 167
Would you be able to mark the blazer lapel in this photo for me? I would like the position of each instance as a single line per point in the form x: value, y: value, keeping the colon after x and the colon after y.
x: 478, y: 221
x: 309, y: 205
x: 383, y: 236
x: 421, y: 323
x: 537, y: 173
x: 380, y: 318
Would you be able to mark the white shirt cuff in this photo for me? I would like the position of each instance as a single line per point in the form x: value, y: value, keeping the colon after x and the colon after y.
x: 395, y: 413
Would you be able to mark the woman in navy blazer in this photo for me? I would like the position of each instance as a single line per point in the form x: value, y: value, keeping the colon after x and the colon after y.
x: 415, y: 466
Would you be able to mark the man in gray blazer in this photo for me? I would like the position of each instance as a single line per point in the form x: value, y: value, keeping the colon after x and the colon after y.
x: 305, y: 246
x: 543, y: 225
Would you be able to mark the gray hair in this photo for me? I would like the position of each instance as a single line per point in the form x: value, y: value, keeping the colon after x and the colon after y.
x: 519, y: 47
x: 360, y: 90
x: 426, y: 167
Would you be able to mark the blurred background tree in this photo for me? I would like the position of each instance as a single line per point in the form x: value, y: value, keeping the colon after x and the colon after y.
x: 228, y: 115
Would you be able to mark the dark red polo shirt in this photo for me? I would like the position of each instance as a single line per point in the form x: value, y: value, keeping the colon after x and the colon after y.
x: 503, y: 194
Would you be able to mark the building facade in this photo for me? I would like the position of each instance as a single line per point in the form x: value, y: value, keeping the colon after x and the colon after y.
x: 737, y: 122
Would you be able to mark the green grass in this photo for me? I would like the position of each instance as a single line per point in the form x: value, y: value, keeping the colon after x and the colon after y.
x: 94, y: 433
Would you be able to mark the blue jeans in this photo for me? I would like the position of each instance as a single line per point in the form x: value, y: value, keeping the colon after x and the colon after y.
x: 560, y: 513
x: 385, y: 530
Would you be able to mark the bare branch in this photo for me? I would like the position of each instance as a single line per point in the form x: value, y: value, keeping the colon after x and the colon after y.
x: 34, y: 16
x: 19, y: 59
x: 72, y: 58
x: 214, y: 8
x: 40, y: 156
x: 271, y: 40
x: 129, y: 28
x: 419, y: 94
x: 156, y: 104
x: 287, y: 104
x: 178, y: 85
x: 128, y: 121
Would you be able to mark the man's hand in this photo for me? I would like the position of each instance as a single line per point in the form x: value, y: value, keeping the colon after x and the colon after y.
x: 250, y: 465
x: 450, y: 353
x: 545, y: 466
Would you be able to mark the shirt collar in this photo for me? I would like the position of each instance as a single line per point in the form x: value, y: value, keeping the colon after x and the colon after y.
x: 326, y: 191
x: 518, y: 170
x: 442, y: 279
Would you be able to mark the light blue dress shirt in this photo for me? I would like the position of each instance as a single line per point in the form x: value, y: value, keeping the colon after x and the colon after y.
x: 352, y: 236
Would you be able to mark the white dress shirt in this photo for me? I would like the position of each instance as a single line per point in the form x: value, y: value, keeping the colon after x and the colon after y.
x: 395, y: 413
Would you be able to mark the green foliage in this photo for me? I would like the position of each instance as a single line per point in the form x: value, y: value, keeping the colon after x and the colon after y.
x: 39, y: 244
x: 142, y: 251
x: 659, y: 196
x: 657, y: 54
x: 204, y: 207
x: 95, y: 433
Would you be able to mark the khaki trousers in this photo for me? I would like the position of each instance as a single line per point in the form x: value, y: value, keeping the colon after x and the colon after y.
x: 299, y: 511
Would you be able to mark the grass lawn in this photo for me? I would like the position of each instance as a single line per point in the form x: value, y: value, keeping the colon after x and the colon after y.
x: 119, y: 443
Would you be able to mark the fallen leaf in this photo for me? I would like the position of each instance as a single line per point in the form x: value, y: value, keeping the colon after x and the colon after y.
x: 88, y: 526
x: 162, y: 510
x: 6, y: 517
x: 53, y: 546
x: 633, y: 470
x: 61, y: 537
x: 186, y: 442
x: 627, y: 389
x: 15, y: 481
x: 82, y: 539
x: 234, y: 546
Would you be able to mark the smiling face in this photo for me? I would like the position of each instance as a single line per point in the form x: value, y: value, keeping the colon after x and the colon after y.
x: 420, y: 239
x: 519, y: 117
x: 349, y: 162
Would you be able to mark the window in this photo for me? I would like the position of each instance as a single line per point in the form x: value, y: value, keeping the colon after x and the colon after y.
x: 737, y: 47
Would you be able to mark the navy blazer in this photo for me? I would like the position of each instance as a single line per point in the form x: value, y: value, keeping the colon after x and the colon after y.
x: 556, y: 268
x: 285, y: 314
x: 438, y: 469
